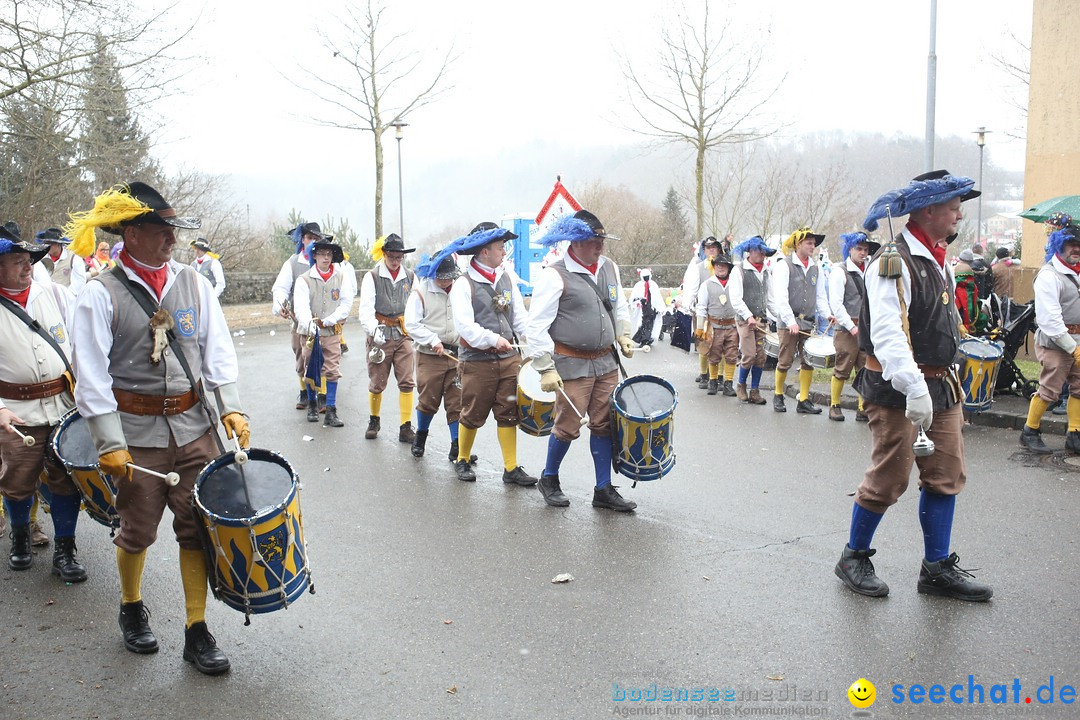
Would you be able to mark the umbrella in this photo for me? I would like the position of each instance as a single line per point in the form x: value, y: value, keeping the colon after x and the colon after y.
x: 1068, y: 204
x: 313, y: 373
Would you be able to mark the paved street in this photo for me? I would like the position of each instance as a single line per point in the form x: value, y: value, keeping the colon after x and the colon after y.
x: 434, y: 597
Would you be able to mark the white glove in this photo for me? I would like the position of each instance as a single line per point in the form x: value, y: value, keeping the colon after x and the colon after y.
x: 276, y: 309
x: 378, y: 337
x: 920, y: 411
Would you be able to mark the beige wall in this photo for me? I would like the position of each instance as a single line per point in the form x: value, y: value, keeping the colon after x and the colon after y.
x: 1053, y: 134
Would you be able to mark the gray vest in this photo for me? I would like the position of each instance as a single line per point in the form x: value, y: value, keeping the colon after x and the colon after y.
x: 802, y: 292
x: 582, y: 321
x: 487, y: 317
x: 325, y: 296
x: 754, y: 292
x: 205, y: 270
x: 438, y: 316
x: 1068, y: 297
x: 129, y: 359
x: 390, y: 297
x: 854, y: 292
x: 60, y: 271
x: 719, y: 302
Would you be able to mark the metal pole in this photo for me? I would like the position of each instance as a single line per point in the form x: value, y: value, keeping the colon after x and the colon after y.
x: 980, y: 138
x: 401, y: 207
x: 931, y: 91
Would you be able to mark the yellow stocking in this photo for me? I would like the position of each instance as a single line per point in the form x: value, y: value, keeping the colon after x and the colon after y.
x: 508, y: 445
x: 193, y: 575
x: 781, y: 378
x: 703, y: 363
x: 375, y: 403
x: 466, y: 438
x: 405, y: 401
x: 1036, y: 409
x: 729, y: 372
x: 1073, y: 408
x: 131, y: 567
x: 805, y: 377
x: 714, y: 371
x: 837, y: 388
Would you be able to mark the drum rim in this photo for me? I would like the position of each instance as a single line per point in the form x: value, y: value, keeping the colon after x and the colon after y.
x: 533, y: 373
x: 66, y: 421
x: 645, y: 418
x: 982, y: 343
x: 262, y: 513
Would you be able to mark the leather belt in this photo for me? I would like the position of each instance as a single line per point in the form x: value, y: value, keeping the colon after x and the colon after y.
x: 489, y: 351
x: 1072, y: 329
x: 136, y: 404
x: 32, y: 391
x: 722, y: 322
x: 934, y: 372
x: 579, y: 353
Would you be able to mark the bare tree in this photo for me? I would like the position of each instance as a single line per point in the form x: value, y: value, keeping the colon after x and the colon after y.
x: 644, y: 236
x: 706, y: 91
x: 1014, y: 60
x: 384, y: 83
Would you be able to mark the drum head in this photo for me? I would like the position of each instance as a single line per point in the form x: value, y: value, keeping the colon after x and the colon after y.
x: 644, y: 396
x: 230, y: 490
x: 981, y: 349
x: 529, y: 382
x: 74, y: 444
x: 820, y: 345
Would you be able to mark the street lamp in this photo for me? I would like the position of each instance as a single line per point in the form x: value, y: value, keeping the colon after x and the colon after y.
x: 980, y: 138
x: 398, y: 125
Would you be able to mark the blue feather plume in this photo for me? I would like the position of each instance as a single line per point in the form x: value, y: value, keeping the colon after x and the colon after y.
x: 1057, y: 240
x: 569, y: 229
x: 849, y: 240
x: 7, y: 245
x: 297, y: 235
x: 917, y: 195
x: 751, y: 243
x: 426, y: 269
x: 461, y: 246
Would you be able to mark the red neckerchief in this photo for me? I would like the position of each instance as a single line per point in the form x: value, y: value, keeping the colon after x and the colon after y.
x: 154, y: 278
x: 937, y: 250
x: 805, y: 263
x: 200, y: 260
x: 327, y: 275
x: 648, y: 295
x: 861, y: 266
x: 722, y: 281
x: 57, y: 255
x: 591, y: 268
x: 490, y: 276
x: 20, y: 297
x: 1074, y: 268
x: 757, y: 266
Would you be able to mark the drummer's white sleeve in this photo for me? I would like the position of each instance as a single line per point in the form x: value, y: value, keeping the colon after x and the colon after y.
x: 837, y: 283
x: 414, y: 320
x: 521, y: 315
x: 778, y: 293
x: 701, y: 303
x: 891, y: 346
x: 92, y: 338
x: 735, y: 292
x: 302, y: 306
x: 1048, y: 286
x: 283, y: 285
x: 219, y: 364
x: 468, y: 329
x: 542, y: 311
x: 821, y: 299
x: 366, y: 311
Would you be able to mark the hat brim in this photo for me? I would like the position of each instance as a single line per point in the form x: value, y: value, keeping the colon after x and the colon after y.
x: 36, y: 251
x: 874, y: 246
x: 339, y: 254
x: 449, y: 275
x: 818, y: 239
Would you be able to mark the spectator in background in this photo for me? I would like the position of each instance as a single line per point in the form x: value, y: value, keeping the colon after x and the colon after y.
x: 1004, y: 268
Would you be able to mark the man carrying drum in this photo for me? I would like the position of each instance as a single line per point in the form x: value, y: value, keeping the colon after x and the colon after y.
x: 35, y: 393
x: 152, y: 345
x: 578, y: 313
x: 798, y: 296
x: 303, y: 235
x: 697, y: 272
x: 750, y: 297
x: 847, y: 291
x: 715, y: 310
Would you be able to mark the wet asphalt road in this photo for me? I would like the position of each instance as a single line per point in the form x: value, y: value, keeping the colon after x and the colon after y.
x: 434, y: 597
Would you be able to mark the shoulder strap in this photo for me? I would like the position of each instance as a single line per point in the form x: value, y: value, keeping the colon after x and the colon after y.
x: 610, y: 313
x: 35, y: 326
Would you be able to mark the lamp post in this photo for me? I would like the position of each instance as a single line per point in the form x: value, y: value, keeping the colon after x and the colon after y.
x: 398, y: 125
x: 980, y: 138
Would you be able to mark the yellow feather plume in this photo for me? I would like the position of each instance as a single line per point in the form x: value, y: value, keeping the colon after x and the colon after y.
x: 794, y: 239
x: 111, y: 208
x: 377, y: 249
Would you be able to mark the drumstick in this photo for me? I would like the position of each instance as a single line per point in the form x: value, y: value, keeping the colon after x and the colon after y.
x: 26, y: 439
x: 240, y: 454
x: 172, y: 478
x: 577, y: 412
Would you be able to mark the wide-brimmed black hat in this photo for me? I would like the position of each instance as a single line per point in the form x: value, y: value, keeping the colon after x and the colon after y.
x: 11, y: 242
x: 447, y: 270
x: 938, y: 174
x: 481, y: 236
x: 200, y: 244
x: 594, y: 224
x: 161, y: 212
x: 339, y: 254
x: 710, y: 242
x: 723, y: 258
x: 312, y: 228
x: 54, y: 236
x: 394, y: 243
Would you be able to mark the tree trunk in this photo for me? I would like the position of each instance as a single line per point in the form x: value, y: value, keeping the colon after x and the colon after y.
x: 699, y: 191
x: 378, y: 183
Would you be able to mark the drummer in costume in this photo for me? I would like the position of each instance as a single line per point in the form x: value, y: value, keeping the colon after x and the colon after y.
x: 716, y: 311
x: 798, y: 295
x: 578, y: 313
x: 1057, y: 312
x: 64, y: 267
x: 429, y: 320
x: 647, y: 309
x: 302, y: 235
x: 909, y: 330
x: 322, y: 301
x: 847, y: 290
x: 697, y: 272
x: 208, y: 265
x: 383, y: 293
x: 35, y: 393
x: 144, y: 406
x: 490, y: 317
x: 749, y: 290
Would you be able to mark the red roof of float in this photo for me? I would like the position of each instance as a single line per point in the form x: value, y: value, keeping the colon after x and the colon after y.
x: 558, y: 191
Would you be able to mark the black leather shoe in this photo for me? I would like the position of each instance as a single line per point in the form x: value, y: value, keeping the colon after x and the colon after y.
x: 807, y: 407
x: 135, y: 624
x: 418, y: 443
x: 22, y: 557
x: 703, y: 383
x: 1072, y: 441
x: 778, y: 403
x: 64, y: 561
x: 946, y: 579
x: 405, y: 433
x: 729, y: 390
x: 201, y: 648
x: 712, y: 387
x: 331, y: 419
x: 322, y: 402
x: 857, y: 572
x: 373, y: 427
x: 608, y: 497
x: 1031, y: 439
x: 518, y: 476
x: 703, y: 377
x: 464, y: 472
x: 553, y: 494
x: 313, y: 410
x: 860, y: 416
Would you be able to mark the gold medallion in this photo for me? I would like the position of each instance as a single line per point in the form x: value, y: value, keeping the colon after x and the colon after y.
x: 944, y: 297
x: 723, y: 299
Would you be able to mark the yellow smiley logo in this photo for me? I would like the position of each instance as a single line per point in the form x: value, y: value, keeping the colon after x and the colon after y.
x: 862, y: 693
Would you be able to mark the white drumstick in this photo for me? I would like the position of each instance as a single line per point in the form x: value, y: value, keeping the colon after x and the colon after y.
x: 171, y: 478
x: 26, y: 439
x: 577, y: 412
x: 240, y: 454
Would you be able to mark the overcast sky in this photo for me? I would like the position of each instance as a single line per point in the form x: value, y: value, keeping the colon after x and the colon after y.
x: 528, y: 70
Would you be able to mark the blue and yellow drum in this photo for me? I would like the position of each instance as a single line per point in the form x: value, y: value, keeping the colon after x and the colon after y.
x: 978, y: 372
x: 643, y: 427
x: 536, y: 408
x: 255, y: 534
x: 73, y: 446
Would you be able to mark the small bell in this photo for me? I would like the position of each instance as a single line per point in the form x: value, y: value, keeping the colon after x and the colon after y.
x: 923, y: 445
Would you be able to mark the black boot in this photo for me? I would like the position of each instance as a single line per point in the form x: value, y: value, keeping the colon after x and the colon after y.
x: 712, y: 386
x: 857, y: 572
x: 201, y: 648
x: 321, y: 397
x: 945, y: 578
x: 608, y: 497
x: 452, y: 455
x: 1031, y: 439
x: 22, y: 557
x: 405, y: 432
x: 1072, y: 441
x: 729, y: 389
x: 331, y: 419
x: 553, y: 494
x: 64, y: 562
x: 464, y: 472
x: 301, y: 400
x: 135, y: 625
x: 373, y: 427
x: 418, y: 443
x: 703, y: 383
x: 312, y: 410
x: 778, y: 403
x: 518, y: 476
